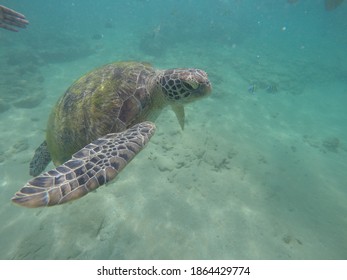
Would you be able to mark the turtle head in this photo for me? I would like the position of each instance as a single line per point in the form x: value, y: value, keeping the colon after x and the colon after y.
x: 184, y: 85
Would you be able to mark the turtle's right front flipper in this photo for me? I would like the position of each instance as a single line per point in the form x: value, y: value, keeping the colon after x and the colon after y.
x: 93, y: 166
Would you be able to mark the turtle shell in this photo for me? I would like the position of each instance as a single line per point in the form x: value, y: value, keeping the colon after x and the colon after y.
x: 106, y: 100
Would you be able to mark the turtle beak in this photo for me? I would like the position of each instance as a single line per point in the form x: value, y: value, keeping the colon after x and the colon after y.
x: 209, y: 87
x: 205, y: 88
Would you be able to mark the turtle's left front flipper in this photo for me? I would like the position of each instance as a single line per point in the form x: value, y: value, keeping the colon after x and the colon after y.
x: 93, y: 166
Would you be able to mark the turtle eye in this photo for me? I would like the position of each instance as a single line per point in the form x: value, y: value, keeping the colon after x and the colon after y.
x: 191, y: 85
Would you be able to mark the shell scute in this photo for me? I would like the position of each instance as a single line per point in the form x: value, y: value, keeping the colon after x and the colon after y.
x: 106, y: 100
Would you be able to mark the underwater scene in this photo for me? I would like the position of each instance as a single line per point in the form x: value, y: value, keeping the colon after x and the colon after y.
x: 259, y: 170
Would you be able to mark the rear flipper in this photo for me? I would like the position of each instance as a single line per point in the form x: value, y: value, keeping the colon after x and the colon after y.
x: 40, y: 160
x: 93, y: 166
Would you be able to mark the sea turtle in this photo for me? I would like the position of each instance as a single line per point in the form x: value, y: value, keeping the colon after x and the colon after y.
x: 101, y: 122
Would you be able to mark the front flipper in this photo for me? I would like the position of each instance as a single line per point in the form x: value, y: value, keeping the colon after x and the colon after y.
x: 180, y: 115
x: 91, y: 167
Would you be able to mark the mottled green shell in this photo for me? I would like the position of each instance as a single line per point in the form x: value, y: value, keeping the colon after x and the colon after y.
x: 108, y: 99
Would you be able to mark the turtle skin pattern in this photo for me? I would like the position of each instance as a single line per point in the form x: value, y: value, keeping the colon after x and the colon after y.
x: 91, y: 167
